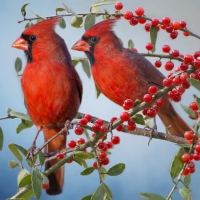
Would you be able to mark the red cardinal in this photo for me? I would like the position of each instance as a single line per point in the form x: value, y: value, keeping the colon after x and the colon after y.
x: 51, y: 87
x: 122, y: 74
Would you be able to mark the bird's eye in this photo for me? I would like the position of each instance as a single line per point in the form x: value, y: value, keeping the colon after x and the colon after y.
x: 94, y: 39
x: 32, y: 38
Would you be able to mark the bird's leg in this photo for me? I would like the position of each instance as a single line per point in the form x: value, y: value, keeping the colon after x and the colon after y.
x: 31, y: 152
x: 110, y: 128
x: 154, y: 129
x: 68, y: 125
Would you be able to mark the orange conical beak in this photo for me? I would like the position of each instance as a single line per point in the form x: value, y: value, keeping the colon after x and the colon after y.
x: 81, y: 45
x: 20, y: 43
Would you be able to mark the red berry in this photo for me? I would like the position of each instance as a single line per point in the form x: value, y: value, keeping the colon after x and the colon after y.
x: 105, y: 148
x: 163, y: 27
x: 177, y: 98
x: 149, y: 46
x: 196, y: 157
x: 144, y: 111
x: 113, y: 119
x: 152, y: 89
x: 128, y: 103
x: 159, y: 102
x: 169, y: 29
x: 188, y: 58
x: 118, y: 5
x: 88, y: 117
x: 95, y: 165
x: 69, y: 161
x: 131, y: 122
x: 194, y: 106
x: 109, y: 144
x: 182, y: 24
x: 184, y: 76
x: 169, y: 65
x: 175, y: 53
x: 188, y: 135
x: 71, y: 144
x: 115, y: 139
x: 151, y: 112
x: 166, y: 48
x: 105, y: 161
x: 128, y: 15
x: 166, y: 20
x: 134, y: 49
x: 197, y: 148
x: 196, y: 113
x: 81, y: 141
x: 141, y: 20
x: 186, y: 34
x: 191, y: 165
x: 169, y: 75
x: 147, y: 98
x: 102, y: 155
x: 99, y: 122
x: 186, y: 172
x: 101, y: 145
x: 175, y: 25
x: 95, y: 127
x: 79, y: 130
x: 192, y: 170
x: 181, y: 90
x: 93, y: 134
x: 174, y: 35
x: 167, y: 82
x: 139, y: 11
x: 147, y: 27
x: 45, y: 186
x: 83, y: 121
x: 186, y: 85
x: 176, y: 81
x: 184, y: 66
x: 125, y: 116
x: 171, y: 94
x: 197, y: 63
x: 133, y: 21
x: 120, y: 127
x: 154, y: 22
x: 118, y: 15
x: 131, y: 128
x: 103, y: 129
x: 196, y: 54
x: 158, y: 63
x: 185, y: 158
x: 125, y: 107
x: 60, y: 156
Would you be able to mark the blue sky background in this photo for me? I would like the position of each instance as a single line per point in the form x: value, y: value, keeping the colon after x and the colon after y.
x: 147, y: 167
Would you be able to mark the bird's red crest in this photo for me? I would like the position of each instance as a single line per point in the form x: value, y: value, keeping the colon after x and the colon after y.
x: 101, y: 27
x: 47, y: 25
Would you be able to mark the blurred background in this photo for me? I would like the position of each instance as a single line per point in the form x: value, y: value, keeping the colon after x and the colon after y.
x: 147, y: 167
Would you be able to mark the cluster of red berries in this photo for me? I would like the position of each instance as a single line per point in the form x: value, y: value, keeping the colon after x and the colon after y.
x: 186, y: 158
x: 166, y: 24
x: 194, y: 106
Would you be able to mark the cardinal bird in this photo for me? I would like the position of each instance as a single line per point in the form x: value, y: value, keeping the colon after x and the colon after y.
x: 122, y: 74
x: 51, y: 87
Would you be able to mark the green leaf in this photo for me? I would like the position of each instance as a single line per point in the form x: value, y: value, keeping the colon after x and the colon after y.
x: 67, y: 8
x: 195, y: 83
x: 153, y: 37
x: 88, y: 197
x: 177, y: 164
x: 130, y: 44
x: 28, y: 194
x: 103, y: 173
x: 45, y: 179
x: 87, y: 171
x: 189, y: 111
x: 13, y: 164
x: 18, y: 64
x: 24, y: 125
x: 101, y: 192
x: 116, y: 170
x: 75, y: 62
x: 84, y: 155
x: 23, y: 9
x: 103, y: 2
x: 95, y: 9
x: 197, y: 99
x: 59, y: 10
x: 15, y: 152
x: 187, y: 180
x: 86, y: 134
x: 12, y: 113
x: 89, y: 21
x: 76, y: 22
x: 23, y: 173
x: 150, y: 196
x: 26, y: 180
x: 98, y: 92
x: 62, y: 23
x: 105, y: 17
x: 39, y: 20
x: 37, y: 183
x: 139, y: 119
x: 1, y: 138
x: 185, y: 193
x: 41, y: 158
x: 80, y: 161
x: 86, y: 67
x: 28, y: 24
x: 21, y: 149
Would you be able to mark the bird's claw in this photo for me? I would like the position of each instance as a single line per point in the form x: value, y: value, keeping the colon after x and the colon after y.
x: 32, y: 152
x: 68, y: 125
